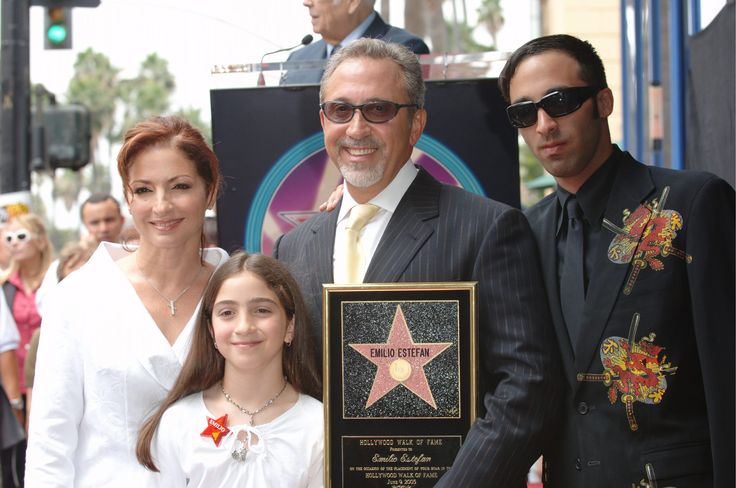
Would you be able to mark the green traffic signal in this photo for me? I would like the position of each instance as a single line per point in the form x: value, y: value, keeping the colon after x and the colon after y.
x: 58, y: 28
x: 56, y: 34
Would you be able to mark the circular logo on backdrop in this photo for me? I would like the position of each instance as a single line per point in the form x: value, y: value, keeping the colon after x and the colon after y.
x: 304, y: 177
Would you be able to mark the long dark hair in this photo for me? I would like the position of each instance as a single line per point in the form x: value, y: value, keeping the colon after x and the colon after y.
x: 205, y: 366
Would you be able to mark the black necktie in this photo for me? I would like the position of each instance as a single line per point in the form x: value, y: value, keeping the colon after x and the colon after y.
x: 572, y: 287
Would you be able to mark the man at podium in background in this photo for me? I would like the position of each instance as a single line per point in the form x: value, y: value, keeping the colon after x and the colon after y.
x: 341, y: 22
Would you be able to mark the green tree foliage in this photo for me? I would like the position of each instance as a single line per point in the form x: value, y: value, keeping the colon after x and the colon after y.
x: 490, y: 14
x: 95, y: 85
x: 149, y: 93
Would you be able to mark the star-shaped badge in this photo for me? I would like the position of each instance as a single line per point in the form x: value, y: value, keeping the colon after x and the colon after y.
x: 216, y: 429
x: 400, y: 361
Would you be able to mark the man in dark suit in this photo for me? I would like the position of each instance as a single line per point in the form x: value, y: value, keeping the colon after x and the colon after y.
x: 372, y: 96
x: 340, y: 22
x: 638, y: 262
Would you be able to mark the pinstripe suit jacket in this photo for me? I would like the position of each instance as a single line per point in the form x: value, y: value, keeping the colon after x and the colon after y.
x: 443, y: 233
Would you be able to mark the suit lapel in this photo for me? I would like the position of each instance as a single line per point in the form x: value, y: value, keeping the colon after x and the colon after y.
x: 323, y: 244
x: 377, y: 29
x: 632, y: 186
x: 407, y: 231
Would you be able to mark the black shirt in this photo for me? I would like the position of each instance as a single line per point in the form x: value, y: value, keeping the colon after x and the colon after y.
x: 592, y: 198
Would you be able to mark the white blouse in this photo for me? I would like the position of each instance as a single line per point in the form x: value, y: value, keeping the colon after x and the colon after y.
x: 288, y: 452
x: 103, y: 367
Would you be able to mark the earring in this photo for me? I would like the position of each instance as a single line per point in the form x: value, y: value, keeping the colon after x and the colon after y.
x: 216, y: 346
x: 288, y: 343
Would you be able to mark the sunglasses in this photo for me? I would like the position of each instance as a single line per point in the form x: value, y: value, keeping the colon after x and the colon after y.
x: 376, y: 112
x: 21, y: 235
x: 558, y: 103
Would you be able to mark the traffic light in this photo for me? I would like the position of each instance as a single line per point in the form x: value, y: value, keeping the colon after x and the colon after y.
x: 67, y: 134
x: 58, y: 28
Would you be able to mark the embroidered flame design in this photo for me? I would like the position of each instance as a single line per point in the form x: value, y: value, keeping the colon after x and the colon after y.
x: 634, y: 370
x: 646, y: 235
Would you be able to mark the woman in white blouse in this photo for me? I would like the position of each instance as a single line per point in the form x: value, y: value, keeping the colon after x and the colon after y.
x: 117, y: 331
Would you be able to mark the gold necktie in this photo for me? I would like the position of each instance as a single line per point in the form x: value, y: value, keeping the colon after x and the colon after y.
x: 355, y: 264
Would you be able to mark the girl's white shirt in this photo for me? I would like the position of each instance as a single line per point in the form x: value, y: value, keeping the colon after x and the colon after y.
x: 288, y: 452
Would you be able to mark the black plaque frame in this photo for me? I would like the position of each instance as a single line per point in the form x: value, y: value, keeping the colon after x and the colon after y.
x: 403, y: 436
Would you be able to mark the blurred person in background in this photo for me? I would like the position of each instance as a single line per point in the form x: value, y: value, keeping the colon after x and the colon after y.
x: 116, y: 331
x: 31, y: 253
x: 11, y: 432
x: 4, y: 252
x: 101, y: 216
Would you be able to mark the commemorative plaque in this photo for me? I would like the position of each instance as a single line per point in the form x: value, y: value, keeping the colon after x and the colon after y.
x: 399, y: 381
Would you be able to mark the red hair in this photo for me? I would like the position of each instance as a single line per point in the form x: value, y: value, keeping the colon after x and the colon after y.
x: 174, y: 132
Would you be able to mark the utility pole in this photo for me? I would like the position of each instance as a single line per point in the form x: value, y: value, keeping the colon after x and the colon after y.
x: 15, y: 107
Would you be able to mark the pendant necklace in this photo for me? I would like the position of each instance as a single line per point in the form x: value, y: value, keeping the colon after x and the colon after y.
x: 240, y: 453
x: 171, y: 302
x: 253, y: 413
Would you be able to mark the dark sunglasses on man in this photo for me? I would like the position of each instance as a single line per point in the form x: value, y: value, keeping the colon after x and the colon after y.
x: 558, y: 103
x: 376, y: 112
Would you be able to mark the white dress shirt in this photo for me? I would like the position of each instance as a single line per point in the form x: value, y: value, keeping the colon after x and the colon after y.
x: 371, y: 234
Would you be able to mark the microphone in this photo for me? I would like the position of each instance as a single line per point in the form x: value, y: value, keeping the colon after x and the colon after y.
x: 306, y: 40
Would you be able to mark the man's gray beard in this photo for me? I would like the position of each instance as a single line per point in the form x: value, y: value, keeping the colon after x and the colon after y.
x: 362, y: 176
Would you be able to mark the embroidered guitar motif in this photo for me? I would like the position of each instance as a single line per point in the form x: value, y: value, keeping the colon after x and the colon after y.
x: 646, y: 235
x: 632, y: 369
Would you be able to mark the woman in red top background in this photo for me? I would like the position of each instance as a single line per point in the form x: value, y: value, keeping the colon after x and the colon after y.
x: 31, y: 253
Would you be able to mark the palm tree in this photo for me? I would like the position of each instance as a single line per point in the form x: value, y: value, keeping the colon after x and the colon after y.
x: 490, y: 14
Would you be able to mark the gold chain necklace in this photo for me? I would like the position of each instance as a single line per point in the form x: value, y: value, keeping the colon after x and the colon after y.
x: 171, y: 302
x: 253, y: 413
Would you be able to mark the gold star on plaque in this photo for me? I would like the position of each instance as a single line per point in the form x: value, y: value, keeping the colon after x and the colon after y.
x: 400, y: 361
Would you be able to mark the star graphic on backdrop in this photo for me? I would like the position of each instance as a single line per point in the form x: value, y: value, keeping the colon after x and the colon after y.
x: 296, y: 217
x: 400, y: 361
x: 216, y: 428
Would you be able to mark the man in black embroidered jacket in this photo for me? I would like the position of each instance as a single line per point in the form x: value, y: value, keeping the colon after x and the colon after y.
x: 643, y: 308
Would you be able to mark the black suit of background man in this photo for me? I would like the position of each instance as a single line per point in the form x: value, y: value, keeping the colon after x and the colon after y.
x: 334, y: 22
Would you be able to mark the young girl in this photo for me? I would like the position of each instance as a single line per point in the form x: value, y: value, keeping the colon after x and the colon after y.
x: 239, y: 413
